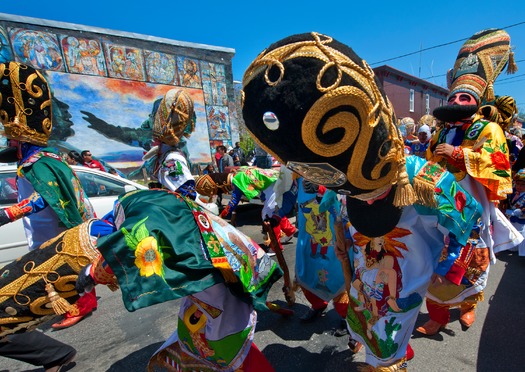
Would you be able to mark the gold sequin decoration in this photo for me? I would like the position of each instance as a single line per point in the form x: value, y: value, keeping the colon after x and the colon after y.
x: 75, y: 249
x: 17, y: 128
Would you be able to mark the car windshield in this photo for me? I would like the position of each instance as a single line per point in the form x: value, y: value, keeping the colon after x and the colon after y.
x: 97, y: 185
x: 8, y: 193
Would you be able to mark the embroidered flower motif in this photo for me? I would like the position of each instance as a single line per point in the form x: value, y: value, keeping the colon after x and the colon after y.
x: 461, y: 201
x: 148, y: 257
x: 456, y: 198
x: 499, y: 158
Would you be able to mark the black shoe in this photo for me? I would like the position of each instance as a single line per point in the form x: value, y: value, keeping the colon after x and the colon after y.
x: 341, y: 330
x: 312, y: 315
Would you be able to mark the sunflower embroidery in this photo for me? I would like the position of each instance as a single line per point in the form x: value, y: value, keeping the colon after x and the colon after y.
x: 148, y: 257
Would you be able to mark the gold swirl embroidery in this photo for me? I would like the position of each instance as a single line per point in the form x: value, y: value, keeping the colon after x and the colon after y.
x: 371, y: 107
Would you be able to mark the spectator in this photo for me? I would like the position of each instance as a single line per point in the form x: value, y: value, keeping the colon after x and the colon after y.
x: 419, y: 147
x: 90, y: 162
x: 209, y: 169
x: 226, y: 159
x: 114, y: 172
x: 218, y: 156
x: 239, y: 153
x: 74, y: 158
x: 262, y: 158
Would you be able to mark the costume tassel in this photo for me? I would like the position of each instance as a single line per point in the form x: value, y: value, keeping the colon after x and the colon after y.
x: 60, y: 305
x: 512, y: 67
x: 405, y: 194
x: 489, y: 95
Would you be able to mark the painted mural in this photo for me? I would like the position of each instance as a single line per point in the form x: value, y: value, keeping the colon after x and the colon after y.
x: 83, y: 56
x: 105, y: 94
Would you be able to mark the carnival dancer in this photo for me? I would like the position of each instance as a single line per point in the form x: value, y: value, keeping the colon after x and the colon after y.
x: 50, y: 196
x: 473, y: 147
x: 317, y: 269
x: 174, y: 121
x: 252, y: 182
x: 332, y: 123
x: 173, y: 248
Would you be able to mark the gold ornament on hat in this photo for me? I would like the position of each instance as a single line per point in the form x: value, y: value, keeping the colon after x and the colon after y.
x: 175, y: 117
x: 371, y: 109
x: 25, y: 104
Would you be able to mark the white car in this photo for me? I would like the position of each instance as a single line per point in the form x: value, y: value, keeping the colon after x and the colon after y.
x: 101, y: 188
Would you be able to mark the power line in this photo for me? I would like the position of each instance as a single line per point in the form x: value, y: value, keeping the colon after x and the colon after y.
x: 435, y: 76
x: 436, y: 46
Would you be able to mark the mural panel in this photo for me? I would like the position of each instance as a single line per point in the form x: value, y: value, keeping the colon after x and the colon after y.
x: 189, y: 72
x: 219, y: 126
x: 161, y: 67
x: 38, y: 49
x: 124, y: 62
x: 83, y: 56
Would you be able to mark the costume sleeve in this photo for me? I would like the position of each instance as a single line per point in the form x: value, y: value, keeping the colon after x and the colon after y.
x: 33, y: 204
x: 236, y: 196
x: 174, y: 172
x: 487, y: 159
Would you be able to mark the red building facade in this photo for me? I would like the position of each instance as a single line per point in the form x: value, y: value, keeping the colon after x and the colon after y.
x: 410, y: 95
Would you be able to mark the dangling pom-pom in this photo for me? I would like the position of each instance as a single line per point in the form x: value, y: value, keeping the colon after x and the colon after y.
x: 405, y: 194
x: 512, y: 67
x: 59, y: 304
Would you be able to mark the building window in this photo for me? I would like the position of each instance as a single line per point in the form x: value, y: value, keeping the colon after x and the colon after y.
x: 411, y: 100
x: 427, y: 103
x: 441, y: 102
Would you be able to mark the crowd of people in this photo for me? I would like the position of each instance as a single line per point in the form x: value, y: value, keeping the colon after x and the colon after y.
x: 390, y: 214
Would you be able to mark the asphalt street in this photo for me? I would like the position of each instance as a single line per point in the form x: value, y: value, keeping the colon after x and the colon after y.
x: 112, y: 339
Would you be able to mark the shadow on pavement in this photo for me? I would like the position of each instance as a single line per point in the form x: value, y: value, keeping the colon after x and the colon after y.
x: 136, y: 361
x: 503, y: 334
x: 281, y: 357
x: 291, y: 328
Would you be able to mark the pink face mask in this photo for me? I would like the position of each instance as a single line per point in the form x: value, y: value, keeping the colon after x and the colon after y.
x: 462, y: 99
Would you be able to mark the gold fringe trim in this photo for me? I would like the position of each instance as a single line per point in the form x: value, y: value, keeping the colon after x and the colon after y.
x: 405, y: 194
x: 425, y: 192
x: 512, y: 67
x: 399, y: 366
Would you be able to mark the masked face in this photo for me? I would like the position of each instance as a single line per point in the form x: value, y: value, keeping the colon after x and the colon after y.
x: 460, y: 106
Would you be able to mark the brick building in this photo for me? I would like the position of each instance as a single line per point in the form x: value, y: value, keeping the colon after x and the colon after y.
x: 410, y: 95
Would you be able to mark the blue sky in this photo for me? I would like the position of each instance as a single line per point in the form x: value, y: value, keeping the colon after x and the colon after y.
x: 379, y: 31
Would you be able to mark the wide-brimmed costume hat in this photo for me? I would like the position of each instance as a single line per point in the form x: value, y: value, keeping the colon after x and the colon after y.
x: 479, y: 62
x: 25, y: 104
x: 318, y: 108
x: 210, y: 184
x: 175, y: 117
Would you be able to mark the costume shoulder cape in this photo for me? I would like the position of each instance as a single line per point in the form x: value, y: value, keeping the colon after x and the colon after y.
x: 58, y: 185
x: 166, y: 248
x: 455, y: 209
x: 252, y: 180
